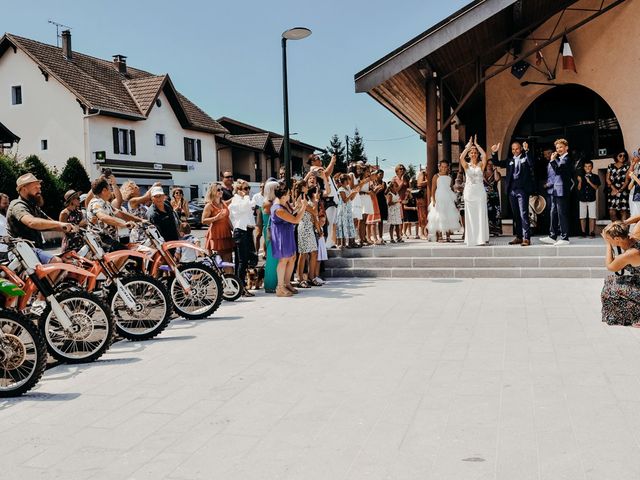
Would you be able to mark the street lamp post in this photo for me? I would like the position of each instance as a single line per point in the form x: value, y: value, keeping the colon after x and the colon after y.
x: 297, y: 33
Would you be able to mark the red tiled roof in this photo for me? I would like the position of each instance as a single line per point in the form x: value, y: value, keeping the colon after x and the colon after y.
x: 258, y: 140
x: 98, y: 85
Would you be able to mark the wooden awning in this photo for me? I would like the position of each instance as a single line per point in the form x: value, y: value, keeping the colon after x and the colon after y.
x: 459, y: 50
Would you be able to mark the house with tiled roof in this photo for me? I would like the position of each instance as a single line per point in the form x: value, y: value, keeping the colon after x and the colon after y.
x: 62, y: 103
x: 255, y: 154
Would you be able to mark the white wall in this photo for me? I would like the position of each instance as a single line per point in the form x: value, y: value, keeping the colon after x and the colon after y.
x: 48, y: 111
x: 161, y: 120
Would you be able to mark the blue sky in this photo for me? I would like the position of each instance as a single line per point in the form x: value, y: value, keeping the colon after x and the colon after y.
x: 226, y: 56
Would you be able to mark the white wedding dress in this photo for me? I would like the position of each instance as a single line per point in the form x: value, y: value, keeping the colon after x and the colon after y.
x: 444, y: 217
x: 476, y: 217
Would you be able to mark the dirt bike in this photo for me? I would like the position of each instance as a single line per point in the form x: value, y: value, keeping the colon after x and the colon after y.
x: 139, y: 302
x: 76, y: 325
x: 23, y: 351
x: 195, y: 289
x: 232, y: 288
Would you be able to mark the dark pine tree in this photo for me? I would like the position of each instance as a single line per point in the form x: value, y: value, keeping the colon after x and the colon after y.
x: 336, y: 148
x: 9, y: 173
x: 74, y: 176
x: 356, y: 148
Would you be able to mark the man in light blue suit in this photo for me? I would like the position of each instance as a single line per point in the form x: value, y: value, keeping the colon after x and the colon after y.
x: 558, y: 186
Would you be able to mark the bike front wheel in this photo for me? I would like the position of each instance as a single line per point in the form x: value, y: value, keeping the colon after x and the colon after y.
x: 91, y: 332
x: 151, y: 313
x: 203, y: 296
x: 23, y: 354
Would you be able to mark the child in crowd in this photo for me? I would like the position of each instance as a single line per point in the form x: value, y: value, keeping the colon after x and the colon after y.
x: 373, y: 219
x: 187, y: 255
x: 410, y: 209
x: 443, y: 215
x: 395, y: 212
x: 588, y: 185
x: 346, y: 231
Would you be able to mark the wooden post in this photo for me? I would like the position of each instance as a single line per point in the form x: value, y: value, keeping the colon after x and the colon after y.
x: 431, y: 133
x: 446, y: 132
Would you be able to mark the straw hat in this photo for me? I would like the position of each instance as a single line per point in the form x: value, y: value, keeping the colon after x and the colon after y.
x: 70, y: 195
x: 537, y: 203
x: 26, y: 179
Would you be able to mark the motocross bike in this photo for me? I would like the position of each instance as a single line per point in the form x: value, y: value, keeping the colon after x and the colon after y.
x: 139, y: 302
x: 76, y: 324
x: 23, y: 351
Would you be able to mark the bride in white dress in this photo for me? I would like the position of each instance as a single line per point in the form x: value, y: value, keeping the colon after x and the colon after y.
x: 476, y: 216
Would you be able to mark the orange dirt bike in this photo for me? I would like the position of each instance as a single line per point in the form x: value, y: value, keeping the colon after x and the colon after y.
x: 139, y: 303
x: 195, y: 289
x: 76, y: 325
x: 23, y: 351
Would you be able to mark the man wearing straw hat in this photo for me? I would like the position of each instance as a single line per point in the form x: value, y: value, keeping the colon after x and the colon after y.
x: 25, y: 219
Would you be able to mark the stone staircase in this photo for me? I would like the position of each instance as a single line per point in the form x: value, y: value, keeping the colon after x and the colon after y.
x: 584, y: 258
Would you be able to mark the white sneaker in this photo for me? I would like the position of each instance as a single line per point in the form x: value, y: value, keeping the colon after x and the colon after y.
x: 561, y: 242
x: 548, y: 240
x: 319, y: 280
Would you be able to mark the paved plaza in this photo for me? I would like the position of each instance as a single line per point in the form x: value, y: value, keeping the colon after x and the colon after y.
x: 360, y: 379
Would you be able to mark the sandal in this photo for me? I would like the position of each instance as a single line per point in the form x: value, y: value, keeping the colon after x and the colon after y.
x: 291, y: 288
x: 283, y: 292
x: 304, y: 284
x: 315, y: 283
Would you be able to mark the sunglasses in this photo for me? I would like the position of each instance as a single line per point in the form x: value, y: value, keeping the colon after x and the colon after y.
x: 245, y: 189
x: 228, y: 176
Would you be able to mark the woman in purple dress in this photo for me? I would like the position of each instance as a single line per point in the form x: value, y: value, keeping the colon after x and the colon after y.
x: 283, y: 242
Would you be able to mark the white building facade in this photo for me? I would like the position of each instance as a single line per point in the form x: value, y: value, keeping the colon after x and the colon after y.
x: 64, y: 104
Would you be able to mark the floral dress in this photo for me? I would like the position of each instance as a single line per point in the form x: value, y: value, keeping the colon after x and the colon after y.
x: 73, y: 241
x: 618, y: 175
x: 493, y: 205
x: 621, y: 297
x: 307, y: 242
x: 345, y: 227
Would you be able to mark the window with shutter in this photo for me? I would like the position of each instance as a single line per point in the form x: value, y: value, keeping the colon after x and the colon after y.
x: 186, y: 149
x: 116, y: 140
x: 132, y: 141
x: 199, y: 150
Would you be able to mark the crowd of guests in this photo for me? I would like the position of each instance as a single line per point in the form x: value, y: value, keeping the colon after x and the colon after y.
x: 292, y: 227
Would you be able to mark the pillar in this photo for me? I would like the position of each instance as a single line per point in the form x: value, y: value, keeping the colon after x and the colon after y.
x: 446, y: 133
x: 431, y: 133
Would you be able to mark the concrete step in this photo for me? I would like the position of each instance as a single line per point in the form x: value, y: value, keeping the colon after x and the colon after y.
x: 490, y: 272
x: 427, y: 250
x: 364, y: 263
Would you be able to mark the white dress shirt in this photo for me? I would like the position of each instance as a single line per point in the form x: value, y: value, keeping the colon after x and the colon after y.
x: 3, y: 232
x: 241, y: 212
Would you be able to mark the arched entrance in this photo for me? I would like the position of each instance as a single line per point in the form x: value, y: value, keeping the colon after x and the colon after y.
x: 584, y: 118
x: 576, y: 113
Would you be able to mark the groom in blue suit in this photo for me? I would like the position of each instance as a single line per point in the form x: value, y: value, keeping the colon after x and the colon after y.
x: 520, y: 185
x: 559, y: 184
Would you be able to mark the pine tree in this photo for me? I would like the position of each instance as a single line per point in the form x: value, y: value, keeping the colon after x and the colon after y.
x: 52, y: 187
x: 356, y: 148
x: 336, y: 148
x: 74, y: 176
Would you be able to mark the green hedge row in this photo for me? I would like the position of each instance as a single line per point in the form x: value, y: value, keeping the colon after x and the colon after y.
x: 54, y: 186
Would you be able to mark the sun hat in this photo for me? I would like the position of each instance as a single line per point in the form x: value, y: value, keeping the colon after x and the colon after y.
x: 70, y: 195
x: 26, y: 179
x: 155, y: 191
x: 537, y: 204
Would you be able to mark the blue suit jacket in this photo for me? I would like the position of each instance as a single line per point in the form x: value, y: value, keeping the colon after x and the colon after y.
x: 559, y: 177
x: 525, y: 180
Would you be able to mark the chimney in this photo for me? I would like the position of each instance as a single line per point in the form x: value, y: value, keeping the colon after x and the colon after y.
x: 120, y: 62
x: 66, y: 44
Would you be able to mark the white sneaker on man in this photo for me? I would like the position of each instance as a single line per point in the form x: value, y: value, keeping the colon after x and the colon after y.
x: 548, y: 240
x: 319, y: 280
x: 561, y: 242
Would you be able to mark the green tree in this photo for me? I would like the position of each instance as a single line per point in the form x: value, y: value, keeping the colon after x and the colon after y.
x: 356, y: 148
x: 336, y: 148
x: 411, y: 170
x: 52, y: 187
x: 9, y: 173
x: 74, y: 176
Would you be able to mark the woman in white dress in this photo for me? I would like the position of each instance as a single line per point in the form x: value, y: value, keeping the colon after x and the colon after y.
x: 476, y: 216
x: 634, y: 185
x: 443, y: 218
